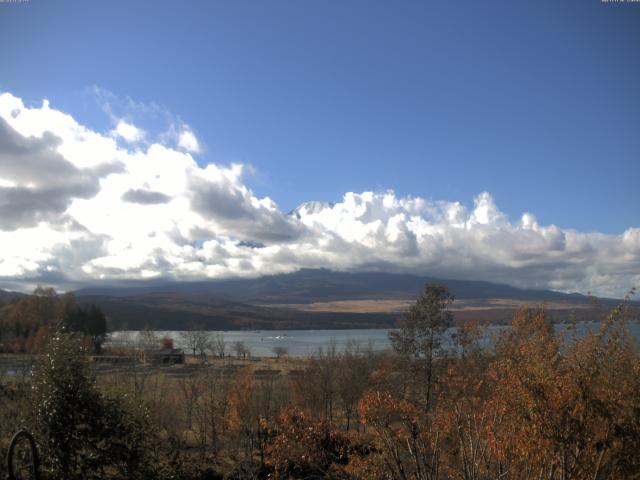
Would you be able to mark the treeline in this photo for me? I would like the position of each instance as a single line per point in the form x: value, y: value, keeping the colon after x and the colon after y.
x: 533, y: 406
x: 26, y: 322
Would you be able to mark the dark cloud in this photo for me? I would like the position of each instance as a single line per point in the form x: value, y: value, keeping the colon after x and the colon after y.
x: 145, y: 197
x: 25, y: 207
x: 45, y: 182
x: 36, y: 161
x: 251, y: 244
x: 29, y: 282
x: 231, y: 208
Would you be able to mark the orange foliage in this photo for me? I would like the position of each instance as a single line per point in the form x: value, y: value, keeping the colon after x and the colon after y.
x: 240, y: 401
x: 542, y: 406
x: 304, y: 447
x: 406, y: 437
x: 569, y: 410
x: 166, y: 343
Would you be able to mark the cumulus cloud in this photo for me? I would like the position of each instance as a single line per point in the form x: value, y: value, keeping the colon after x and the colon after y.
x: 76, y: 205
x: 219, y: 196
x: 38, y: 183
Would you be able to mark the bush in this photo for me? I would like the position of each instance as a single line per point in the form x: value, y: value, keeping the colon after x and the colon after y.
x: 85, y: 434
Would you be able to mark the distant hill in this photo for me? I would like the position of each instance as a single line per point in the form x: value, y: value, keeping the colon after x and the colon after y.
x: 6, y: 296
x: 314, y: 299
x: 308, y: 286
x: 176, y: 311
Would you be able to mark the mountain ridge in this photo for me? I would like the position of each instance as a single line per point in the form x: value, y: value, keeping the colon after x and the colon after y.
x: 314, y: 299
x: 312, y: 285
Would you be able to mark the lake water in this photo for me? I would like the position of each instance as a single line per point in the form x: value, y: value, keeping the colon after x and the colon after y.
x: 303, y: 343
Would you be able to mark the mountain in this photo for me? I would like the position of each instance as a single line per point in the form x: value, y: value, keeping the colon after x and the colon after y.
x: 6, y: 296
x: 315, y: 299
x: 309, y: 208
x: 311, y: 285
x: 171, y: 311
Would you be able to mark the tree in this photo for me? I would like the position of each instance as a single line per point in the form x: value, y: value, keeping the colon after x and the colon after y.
x: 87, y: 320
x: 353, y: 377
x: 420, y: 332
x: 195, y: 340
x: 570, y: 409
x: 302, y: 447
x: 241, y: 349
x: 219, y: 345
x: 243, y: 417
x: 28, y: 318
x: 280, y: 351
x: 407, y: 442
x: 96, y: 327
x: 317, y: 390
x: 146, y: 342
x: 84, y: 433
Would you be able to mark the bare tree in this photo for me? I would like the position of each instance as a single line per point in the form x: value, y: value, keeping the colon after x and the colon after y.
x: 280, y: 351
x: 319, y: 391
x: 123, y: 343
x: 241, y: 349
x: 147, y: 342
x: 196, y: 340
x: 353, y: 378
x: 218, y: 344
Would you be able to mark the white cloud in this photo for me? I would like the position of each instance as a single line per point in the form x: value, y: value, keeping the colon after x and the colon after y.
x: 128, y: 132
x: 188, y: 141
x: 75, y: 205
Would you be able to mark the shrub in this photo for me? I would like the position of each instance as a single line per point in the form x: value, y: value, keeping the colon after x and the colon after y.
x: 85, y: 434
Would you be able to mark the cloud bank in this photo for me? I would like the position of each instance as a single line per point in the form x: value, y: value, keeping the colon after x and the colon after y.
x: 77, y: 205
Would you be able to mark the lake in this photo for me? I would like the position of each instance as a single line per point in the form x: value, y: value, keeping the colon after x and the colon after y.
x: 303, y: 343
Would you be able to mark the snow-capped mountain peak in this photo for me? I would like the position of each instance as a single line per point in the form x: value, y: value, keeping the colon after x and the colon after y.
x: 310, y: 208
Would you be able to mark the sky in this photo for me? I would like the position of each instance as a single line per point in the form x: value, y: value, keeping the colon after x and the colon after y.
x: 495, y: 141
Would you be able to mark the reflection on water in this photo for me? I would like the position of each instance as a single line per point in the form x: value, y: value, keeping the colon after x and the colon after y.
x: 303, y: 343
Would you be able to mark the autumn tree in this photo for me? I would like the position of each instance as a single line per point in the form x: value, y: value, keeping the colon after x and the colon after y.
x: 166, y: 343
x: 407, y: 442
x: 302, y: 447
x: 570, y: 408
x: 242, y: 416
x: 26, y: 322
x: 462, y: 409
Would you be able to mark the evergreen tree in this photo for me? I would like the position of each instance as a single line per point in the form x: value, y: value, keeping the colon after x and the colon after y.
x: 84, y: 433
x: 420, y: 332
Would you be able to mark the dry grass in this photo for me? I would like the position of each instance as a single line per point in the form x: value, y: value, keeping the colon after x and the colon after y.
x: 399, y: 306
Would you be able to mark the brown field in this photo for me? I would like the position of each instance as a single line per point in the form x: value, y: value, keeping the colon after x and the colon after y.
x: 18, y: 367
x: 399, y: 306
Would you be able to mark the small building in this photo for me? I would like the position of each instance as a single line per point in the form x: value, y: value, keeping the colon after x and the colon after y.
x: 169, y: 355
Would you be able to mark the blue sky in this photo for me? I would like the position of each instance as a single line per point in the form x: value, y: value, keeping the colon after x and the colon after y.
x: 495, y: 140
x: 535, y: 102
